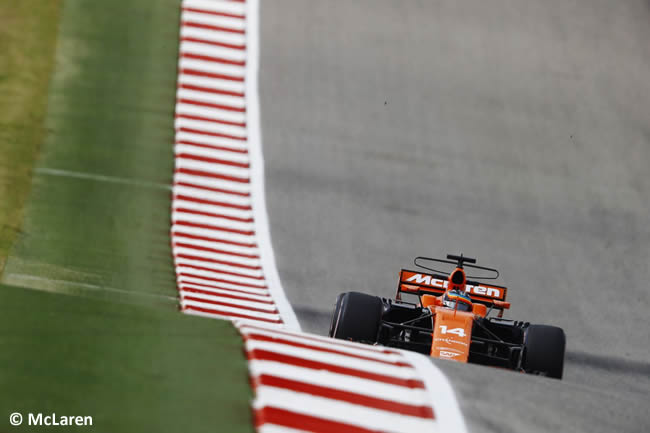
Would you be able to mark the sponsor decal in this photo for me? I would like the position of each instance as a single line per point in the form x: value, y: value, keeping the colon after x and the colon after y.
x: 447, y: 354
x: 427, y: 280
x: 478, y: 290
x: 451, y: 341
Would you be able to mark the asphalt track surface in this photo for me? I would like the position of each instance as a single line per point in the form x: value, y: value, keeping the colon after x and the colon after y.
x: 516, y: 132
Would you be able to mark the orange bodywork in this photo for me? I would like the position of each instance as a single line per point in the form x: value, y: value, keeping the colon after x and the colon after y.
x: 479, y: 310
x: 430, y: 301
x: 452, y: 328
x: 452, y: 334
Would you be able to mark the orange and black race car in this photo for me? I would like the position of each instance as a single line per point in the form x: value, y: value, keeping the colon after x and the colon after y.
x: 451, y: 320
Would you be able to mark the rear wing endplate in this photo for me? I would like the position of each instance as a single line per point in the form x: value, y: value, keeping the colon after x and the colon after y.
x: 420, y: 283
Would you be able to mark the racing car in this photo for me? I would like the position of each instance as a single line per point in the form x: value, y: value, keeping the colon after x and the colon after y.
x: 452, y: 319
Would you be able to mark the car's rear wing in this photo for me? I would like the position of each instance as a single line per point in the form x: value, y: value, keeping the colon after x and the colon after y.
x: 420, y: 283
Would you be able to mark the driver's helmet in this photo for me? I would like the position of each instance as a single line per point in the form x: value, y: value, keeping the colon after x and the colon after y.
x: 453, y: 297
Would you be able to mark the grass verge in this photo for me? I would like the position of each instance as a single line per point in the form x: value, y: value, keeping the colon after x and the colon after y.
x: 99, y: 209
x: 132, y: 368
x: 27, y: 38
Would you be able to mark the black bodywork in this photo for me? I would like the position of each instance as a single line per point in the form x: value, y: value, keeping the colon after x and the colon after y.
x: 495, y: 342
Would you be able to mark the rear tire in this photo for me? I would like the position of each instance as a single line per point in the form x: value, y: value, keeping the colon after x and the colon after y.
x: 544, y: 353
x: 356, y: 317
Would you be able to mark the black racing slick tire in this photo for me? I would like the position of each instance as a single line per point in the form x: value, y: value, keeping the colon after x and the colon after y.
x: 356, y: 317
x: 544, y: 350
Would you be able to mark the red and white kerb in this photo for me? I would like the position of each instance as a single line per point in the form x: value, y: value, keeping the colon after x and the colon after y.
x: 311, y: 383
x: 218, y: 218
x: 224, y: 261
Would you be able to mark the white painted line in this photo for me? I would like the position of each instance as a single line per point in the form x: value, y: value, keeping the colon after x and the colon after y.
x: 212, y: 168
x: 226, y: 316
x: 242, y: 189
x: 352, y: 350
x: 210, y: 113
x: 270, y: 428
x: 213, y: 98
x: 180, y: 244
x: 328, y: 379
x: 211, y: 141
x: 340, y: 411
x: 213, y: 35
x: 211, y: 67
x: 217, y: 268
x: 211, y: 195
x: 213, y: 234
x: 207, y: 126
x: 257, y: 169
x: 216, y: 235
x: 239, y: 187
x: 223, y: 155
x: 100, y: 178
x: 185, y: 279
x: 214, y: 208
x: 335, y: 359
x: 189, y: 287
x: 213, y: 51
x: 221, y: 222
x: 238, y: 302
x: 212, y: 127
x: 225, y: 310
x: 216, y: 6
x: 255, y: 283
x: 215, y: 256
x: 68, y: 287
x: 213, y: 20
x: 249, y: 329
x: 211, y: 83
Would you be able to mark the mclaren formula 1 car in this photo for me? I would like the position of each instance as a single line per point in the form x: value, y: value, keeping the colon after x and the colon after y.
x: 452, y: 319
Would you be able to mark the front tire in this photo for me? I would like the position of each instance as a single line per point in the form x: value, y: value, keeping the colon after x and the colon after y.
x: 544, y: 350
x: 356, y: 317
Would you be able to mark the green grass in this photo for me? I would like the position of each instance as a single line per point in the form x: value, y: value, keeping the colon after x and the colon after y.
x: 107, y: 340
x: 132, y: 368
x: 27, y: 36
x: 111, y: 115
